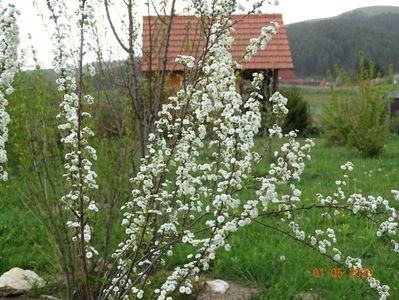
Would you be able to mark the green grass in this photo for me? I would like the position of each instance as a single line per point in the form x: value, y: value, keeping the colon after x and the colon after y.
x: 317, y: 98
x: 23, y: 241
x: 254, y: 257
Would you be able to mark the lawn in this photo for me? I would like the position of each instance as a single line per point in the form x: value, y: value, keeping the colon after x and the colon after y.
x: 255, y: 255
x: 317, y: 98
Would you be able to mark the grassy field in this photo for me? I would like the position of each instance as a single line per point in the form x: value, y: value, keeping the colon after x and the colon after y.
x: 255, y: 256
x: 317, y: 98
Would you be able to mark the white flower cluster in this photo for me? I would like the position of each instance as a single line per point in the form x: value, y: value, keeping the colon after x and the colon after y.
x: 369, y: 205
x: 299, y: 234
x: 338, y: 196
x: 186, y: 60
x: 382, y: 290
x: 324, y: 243
x: 289, y: 164
x: 351, y: 262
x: 9, y: 41
x: 358, y: 203
x: 395, y: 246
x: 395, y: 193
x: 78, y: 164
x: 265, y: 37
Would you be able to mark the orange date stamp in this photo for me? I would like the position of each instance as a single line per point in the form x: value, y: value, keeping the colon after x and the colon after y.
x: 339, y: 273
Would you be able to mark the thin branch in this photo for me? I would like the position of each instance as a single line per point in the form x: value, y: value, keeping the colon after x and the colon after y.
x: 106, y: 4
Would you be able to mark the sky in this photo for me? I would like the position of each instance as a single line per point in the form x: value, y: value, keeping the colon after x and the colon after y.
x: 301, y: 10
x: 292, y: 10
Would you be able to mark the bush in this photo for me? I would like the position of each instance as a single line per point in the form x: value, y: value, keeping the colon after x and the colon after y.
x: 369, y: 130
x: 298, y: 117
x: 356, y: 114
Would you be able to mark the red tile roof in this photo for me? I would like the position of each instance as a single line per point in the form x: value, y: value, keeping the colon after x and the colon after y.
x: 186, y: 38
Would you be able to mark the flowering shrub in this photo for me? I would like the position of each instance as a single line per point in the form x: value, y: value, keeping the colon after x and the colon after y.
x: 79, y: 175
x: 176, y: 197
x: 8, y: 67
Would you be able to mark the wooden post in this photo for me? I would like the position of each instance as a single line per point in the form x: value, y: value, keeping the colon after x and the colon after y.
x: 240, y: 82
x: 268, y: 81
x: 275, y: 80
x: 241, y: 85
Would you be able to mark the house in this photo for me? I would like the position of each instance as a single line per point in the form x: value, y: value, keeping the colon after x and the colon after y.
x: 186, y: 38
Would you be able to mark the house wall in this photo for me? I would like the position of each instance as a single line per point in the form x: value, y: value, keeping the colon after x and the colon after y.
x: 286, y: 74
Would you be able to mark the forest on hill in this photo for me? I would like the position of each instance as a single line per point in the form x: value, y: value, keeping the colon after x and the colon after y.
x: 318, y: 45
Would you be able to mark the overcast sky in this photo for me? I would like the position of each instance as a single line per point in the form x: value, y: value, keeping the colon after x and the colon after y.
x: 292, y: 10
x: 301, y: 10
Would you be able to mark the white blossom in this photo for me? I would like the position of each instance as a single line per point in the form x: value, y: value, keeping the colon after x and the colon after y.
x: 9, y: 41
x: 266, y: 35
x: 185, y: 60
x: 78, y: 160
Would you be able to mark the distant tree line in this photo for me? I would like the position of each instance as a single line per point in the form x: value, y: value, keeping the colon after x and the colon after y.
x: 317, y: 46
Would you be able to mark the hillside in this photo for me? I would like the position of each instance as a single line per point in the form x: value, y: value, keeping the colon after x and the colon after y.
x: 317, y: 45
